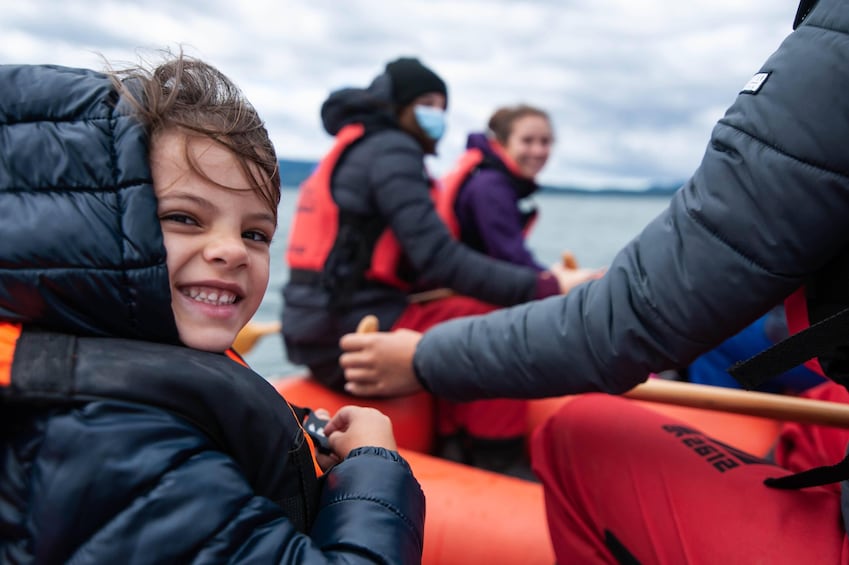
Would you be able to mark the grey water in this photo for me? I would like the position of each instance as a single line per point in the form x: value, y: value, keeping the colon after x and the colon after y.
x: 593, y: 227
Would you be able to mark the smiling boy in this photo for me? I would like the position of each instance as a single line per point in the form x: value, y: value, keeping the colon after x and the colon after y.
x: 137, y: 212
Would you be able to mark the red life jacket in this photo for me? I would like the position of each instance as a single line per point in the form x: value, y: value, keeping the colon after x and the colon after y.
x: 452, y: 184
x: 818, y: 320
x: 316, y: 227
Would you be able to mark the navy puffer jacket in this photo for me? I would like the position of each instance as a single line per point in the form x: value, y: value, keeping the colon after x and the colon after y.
x: 118, y: 444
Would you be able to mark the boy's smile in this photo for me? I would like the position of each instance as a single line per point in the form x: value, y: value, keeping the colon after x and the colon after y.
x: 217, y: 239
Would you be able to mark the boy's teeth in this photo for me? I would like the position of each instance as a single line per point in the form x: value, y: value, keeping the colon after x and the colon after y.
x: 218, y: 297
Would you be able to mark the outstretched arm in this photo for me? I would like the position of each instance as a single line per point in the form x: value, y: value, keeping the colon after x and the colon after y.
x: 765, y: 210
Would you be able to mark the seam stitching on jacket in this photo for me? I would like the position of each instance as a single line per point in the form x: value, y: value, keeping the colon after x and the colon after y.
x: 781, y: 151
x: 72, y: 268
x: 700, y: 221
x: 73, y: 190
x: 119, y: 193
x: 69, y: 120
x: 393, y: 509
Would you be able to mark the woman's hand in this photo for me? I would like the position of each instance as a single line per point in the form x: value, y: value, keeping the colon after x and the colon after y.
x: 569, y: 278
x: 380, y: 363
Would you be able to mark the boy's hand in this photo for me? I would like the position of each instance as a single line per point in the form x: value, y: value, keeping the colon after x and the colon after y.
x: 325, y: 460
x: 357, y: 426
x: 381, y: 363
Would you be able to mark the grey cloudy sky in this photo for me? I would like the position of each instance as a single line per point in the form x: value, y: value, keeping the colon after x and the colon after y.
x: 633, y: 86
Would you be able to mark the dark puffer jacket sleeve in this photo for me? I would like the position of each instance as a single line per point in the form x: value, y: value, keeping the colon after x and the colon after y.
x: 371, y: 482
x: 766, y: 209
x: 166, y: 495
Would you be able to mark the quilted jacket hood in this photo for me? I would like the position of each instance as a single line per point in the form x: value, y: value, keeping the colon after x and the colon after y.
x: 80, y: 244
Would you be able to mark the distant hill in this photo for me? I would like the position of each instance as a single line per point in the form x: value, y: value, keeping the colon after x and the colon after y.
x: 664, y: 191
x: 294, y: 171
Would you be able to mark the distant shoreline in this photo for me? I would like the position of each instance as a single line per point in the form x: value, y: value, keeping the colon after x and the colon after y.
x: 294, y: 171
x: 659, y: 192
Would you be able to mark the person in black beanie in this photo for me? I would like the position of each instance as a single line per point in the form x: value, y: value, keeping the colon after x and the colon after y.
x: 366, y: 235
x: 410, y: 79
x: 413, y: 82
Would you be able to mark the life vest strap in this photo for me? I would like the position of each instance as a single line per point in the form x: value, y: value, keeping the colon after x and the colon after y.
x: 823, y: 337
x: 44, y: 372
x: 815, y: 477
x: 305, y: 277
x: 43, y: 367
x: 317, y: 278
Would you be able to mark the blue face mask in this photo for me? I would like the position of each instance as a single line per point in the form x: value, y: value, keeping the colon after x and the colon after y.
x: 431, y: 120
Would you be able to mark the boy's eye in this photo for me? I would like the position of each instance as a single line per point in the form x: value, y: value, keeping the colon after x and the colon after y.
x: 258, y: 236
x: 179, y: 218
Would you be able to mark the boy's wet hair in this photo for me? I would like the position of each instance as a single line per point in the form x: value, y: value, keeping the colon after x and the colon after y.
x: 501, y: 122
x: 196, y: 97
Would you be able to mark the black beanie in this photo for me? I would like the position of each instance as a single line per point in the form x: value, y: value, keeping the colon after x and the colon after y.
x: 411, y: 79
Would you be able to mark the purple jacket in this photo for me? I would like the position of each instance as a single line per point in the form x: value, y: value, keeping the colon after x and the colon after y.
x: 488, y: 210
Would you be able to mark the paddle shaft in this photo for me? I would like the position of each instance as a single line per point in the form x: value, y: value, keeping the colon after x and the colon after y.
x: 253, y: 332
x: 762, y: 404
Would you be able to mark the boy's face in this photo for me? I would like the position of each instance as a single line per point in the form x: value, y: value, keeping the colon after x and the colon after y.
x: 217, y: 240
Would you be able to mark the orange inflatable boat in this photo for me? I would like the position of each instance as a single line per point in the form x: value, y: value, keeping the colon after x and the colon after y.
x: 475, y: 516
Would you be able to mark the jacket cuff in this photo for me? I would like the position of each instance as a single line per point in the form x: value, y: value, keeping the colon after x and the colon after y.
x: 547, y: 285
x: 417, y: 372
x: 379, y: 452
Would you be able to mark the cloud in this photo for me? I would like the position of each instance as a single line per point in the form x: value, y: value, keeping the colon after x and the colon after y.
x: 633, y: 87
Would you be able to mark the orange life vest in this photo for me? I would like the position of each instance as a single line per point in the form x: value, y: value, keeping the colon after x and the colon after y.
x: 316, y: 226
x: 452, y: 183
x: 9, y: 334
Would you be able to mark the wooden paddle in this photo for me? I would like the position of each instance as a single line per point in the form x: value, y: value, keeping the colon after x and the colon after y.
x: 763, y: 404
x: 254, y: 331
x: 369, y: 324
x: 251, y: 333
x: 428, y: 295
x: 569, y: 260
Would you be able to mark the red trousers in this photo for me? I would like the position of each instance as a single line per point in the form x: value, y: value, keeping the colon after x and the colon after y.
x: 622, y: 480
x: 802, y: 446
x: 483, y: 419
